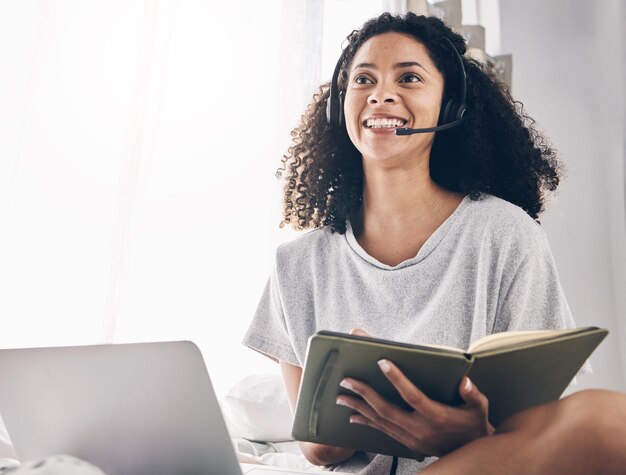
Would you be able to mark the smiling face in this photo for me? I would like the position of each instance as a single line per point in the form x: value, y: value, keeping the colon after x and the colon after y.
x: 392, y: 83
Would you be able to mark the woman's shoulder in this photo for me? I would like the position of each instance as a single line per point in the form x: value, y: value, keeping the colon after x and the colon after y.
x: 308, y: 249
x: 498, y: 211
x: 501, y: 220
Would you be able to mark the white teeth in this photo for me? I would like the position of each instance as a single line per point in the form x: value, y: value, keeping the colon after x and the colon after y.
x: 384, y: 123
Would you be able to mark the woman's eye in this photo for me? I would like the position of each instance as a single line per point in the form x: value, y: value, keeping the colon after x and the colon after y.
x: 411, y: 78
x: 360, y: 79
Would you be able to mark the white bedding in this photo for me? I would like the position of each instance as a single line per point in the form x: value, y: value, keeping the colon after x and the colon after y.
x: 277, y: 454
x: 57, y: 465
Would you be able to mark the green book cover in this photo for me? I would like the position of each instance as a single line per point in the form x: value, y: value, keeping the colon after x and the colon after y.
x: 515, y: 371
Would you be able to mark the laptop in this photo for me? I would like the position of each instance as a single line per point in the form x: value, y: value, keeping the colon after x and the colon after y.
x: 129, y: 409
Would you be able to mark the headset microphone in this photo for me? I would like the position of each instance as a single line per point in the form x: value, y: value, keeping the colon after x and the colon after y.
x: 406, y: 131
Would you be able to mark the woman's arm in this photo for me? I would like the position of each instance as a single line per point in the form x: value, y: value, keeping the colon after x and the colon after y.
x: 317, y: 454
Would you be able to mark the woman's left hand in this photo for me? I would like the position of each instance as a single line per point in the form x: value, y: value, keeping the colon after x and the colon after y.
x: 432, y: 428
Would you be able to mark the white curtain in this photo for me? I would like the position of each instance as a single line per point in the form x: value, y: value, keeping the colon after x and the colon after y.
x: 136, y: 170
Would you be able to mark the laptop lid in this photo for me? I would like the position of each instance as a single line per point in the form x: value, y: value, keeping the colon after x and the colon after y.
x: 129, y: 409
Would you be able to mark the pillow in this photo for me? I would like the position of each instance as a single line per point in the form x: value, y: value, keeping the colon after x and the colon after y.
x: 257, y: 408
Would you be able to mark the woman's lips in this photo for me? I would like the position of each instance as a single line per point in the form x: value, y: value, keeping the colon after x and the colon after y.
x: 382, y: 130
x: 382, y: 124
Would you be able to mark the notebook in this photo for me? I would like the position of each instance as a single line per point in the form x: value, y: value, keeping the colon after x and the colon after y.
x: 129, y: 409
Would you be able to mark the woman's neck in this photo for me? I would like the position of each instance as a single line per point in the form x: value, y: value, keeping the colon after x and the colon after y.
x: 401, y: 208
x: 403, y: 198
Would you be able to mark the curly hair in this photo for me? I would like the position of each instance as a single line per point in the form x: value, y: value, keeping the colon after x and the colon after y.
x: 497, y: 150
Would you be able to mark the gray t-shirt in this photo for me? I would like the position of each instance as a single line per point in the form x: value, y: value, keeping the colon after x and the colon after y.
x: 488, y: 268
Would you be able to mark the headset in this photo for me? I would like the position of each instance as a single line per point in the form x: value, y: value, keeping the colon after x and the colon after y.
x: 451, y: 115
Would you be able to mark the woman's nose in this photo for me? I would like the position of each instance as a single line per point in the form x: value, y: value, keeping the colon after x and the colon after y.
x: 382, y: 94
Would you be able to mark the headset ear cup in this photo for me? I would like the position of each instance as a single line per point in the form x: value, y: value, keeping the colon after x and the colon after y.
x: 329, y: 110
x: 340, y: 117
x: 451, y: 112
x: 460, y: 111
x: 444, y: 116
x: 456, y: 111
x: 334, y: 110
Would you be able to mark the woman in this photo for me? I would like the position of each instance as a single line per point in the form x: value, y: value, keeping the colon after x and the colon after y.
x: 426, y: 238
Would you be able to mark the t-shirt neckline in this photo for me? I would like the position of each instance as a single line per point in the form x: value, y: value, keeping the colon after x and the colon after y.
x: 431, y: 243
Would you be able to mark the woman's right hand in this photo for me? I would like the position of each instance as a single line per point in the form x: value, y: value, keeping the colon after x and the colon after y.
x: 431, y: 428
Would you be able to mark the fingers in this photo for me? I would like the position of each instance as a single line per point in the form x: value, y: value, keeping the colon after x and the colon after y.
x: 472, y: 396
x: 379, y: 413
x: 409, y: 392
x: 367, y: 416
x: 475, y: 399
x: 374, y: 400
x: 391, y: 430
x: 358, y: 405
x: 359, y: 332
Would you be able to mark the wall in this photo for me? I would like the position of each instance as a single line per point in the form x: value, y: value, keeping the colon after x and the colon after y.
x: 568, y: 70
